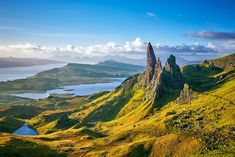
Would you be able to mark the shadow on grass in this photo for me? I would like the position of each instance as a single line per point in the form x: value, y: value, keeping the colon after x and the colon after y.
x: 199, y: 77
x: 166, y: 98
x: 23, y: 148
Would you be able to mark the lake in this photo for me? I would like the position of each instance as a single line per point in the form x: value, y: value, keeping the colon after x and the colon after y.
x: 25, y: 131
x: 76, y: 90
x: 14, y: 73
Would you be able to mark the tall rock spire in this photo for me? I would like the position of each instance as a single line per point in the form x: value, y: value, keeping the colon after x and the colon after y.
x: 151, y: 62
x: 151, y: 59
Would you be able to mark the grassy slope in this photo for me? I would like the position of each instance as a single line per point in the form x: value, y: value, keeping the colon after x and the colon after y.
x: 122, y: 123
x: 225, y: 62
x: 189, y: 130
x: 12, y: 117
x: 22, y: 148
x: 9, y: 100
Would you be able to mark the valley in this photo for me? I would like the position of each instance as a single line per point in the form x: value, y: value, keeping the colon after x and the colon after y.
x: 164, y: 110
x: 117, y: 78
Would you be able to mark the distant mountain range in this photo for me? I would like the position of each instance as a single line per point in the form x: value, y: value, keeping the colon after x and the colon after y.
x: 21, y: 62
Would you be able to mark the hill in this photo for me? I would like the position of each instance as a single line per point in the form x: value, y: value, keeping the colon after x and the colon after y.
x: 225, y: 62
x: 163, y: 111
x: 71, y: 74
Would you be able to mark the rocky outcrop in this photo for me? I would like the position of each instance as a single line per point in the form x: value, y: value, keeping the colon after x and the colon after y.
x: 185, y: 95
x: 172, y: 74
x: 155, y: 86
x: 158, y: 80
x: 151, y: 63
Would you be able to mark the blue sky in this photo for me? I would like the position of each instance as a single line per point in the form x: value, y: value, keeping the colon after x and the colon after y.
x: 88, y: 22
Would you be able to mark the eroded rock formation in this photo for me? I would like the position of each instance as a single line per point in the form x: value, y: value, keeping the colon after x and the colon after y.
x: 151, y: 63
x: 172, y: 74
x: 158, y: 80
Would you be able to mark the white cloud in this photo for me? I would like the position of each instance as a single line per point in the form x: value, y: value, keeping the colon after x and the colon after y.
x: 212, y: 35
x: 132, y: 49
x: 136, y: 47
x: 191, y: 49
x: 227, y: 46
x: 211, y: 45
x: 150, y: 14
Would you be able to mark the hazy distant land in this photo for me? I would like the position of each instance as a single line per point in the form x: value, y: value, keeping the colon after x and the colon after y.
x: 21, y: 62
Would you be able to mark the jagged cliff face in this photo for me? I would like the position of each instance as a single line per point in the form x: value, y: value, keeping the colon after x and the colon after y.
x: 158, y: 80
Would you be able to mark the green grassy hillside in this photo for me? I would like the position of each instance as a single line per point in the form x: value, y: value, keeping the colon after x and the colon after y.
x: 226, y: 62
x: 124, y: 122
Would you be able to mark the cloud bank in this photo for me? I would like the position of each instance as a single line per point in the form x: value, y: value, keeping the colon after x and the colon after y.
x: 213, y: 35
x: 131, y: 49
x: 195, y: 48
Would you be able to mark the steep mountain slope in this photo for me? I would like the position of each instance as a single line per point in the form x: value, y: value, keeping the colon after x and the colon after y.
x: 164, y: 111
x: 210, y: 73
x: 201, y: 124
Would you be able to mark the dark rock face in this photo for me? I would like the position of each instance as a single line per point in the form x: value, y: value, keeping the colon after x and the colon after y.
x: 151, y: 62
x: 157, y: 75
x: 160, y: 80
x: 185, y: 95
x: 154, y: 88
x: 172, y: 74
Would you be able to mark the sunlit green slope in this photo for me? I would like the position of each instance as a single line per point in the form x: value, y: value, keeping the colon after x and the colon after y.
x: 198, y: 122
